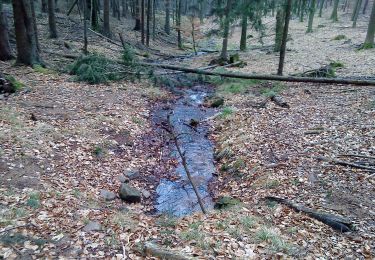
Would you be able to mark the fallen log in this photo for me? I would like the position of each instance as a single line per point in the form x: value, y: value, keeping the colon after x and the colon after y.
x: 357, y: 156
x: 265, y: 77
x: 151, y: 249
x: 344, y: 163
x: 336, y: 222
x: 279, y: 101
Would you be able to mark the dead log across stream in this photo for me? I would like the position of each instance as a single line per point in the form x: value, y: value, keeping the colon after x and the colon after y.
x: 336, y: 222
x: 265, y: 77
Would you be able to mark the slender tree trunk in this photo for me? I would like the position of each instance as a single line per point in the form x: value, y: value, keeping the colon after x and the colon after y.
x: 94, y: 15
x: 193, y: 35
x: 153, y: 20
x: 224, y: 50
x: 369, y: 42
x: 303, y: 8
x: 311, y: 16
x: 365, y: 7
x: 44, y: 6
x: 52, y: 19
x: 5, y: 50
x: 243, y: 32
x: 285, y: 37
x: 178, y: 25
x: 137, y: 12
x: 167, y: 26
x: 280, y: 21
x: 85, y: 16
x: 149, y: 13
x: 143, y: 21
x: 106, y: 30
x: 27, y: 50
x: 321, y: 8
x: 356, y: 7
x: 334, y: 15
x: 356, y: 13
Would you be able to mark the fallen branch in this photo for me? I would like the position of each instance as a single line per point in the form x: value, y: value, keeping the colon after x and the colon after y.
x: 175, y: 137
x: 151, y: 249
x: 12, y: 228
x: 357, y: 156
x: 336, y: 222
x: 279, y: 101
x: 106, y: 38
x: 344, y: 163
x: 264, y: 77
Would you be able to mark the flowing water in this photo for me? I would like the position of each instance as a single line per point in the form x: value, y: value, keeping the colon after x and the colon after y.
x: 177, y: 197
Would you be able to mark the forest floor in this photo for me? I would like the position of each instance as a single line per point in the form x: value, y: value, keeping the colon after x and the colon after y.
x: 63, y: 142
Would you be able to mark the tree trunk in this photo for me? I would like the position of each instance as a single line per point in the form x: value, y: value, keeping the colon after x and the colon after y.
x: 369, y: 42
x: 27, y: 50
x: 153, y: 20
x: 303, y: 8
x: 224, y: 50
x: 85, y: 16
x: 365, y: 7
x: 143, y: 21
x: 311, y: 16
x: 137, y: 11
x: 334, y: 15
x: 285, y: 37
x: 34, y: 24
x: 94, y: 15
x: 321, y: 8
x: 5, y: 51
x: 280, y: 21
x: 44, y: 6
x: 106, y: 30
x: 356, y: 13
x: 167, y: 26
x: 52, y: 19
x: 149, y: 13
x: 178, y: 25
x: 243, y: 32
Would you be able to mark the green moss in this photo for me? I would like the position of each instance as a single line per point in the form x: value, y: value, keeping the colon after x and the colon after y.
x: 337, y: 64
x: 227, y: 111
x: 43, y: 70
x: 16, y: 85
x: 366, y: 46
x: 273, y: 91
x: 33, y: 200
x: 339, y: 37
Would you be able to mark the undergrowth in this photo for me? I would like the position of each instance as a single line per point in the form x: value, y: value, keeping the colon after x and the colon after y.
x: 94, y: 69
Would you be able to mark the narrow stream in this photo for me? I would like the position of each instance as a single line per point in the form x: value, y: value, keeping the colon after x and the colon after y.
x: 177, y: 197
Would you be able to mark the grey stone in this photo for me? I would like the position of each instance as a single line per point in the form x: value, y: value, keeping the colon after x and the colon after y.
x: 146, y: 194
x: 132, y: 174
x: 122, y: 178
x: 92, y: 226
x: 129, y: 194
x: 107, y: 195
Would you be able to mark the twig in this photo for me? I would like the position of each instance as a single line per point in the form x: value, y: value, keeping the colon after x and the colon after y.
x: 344, y: 163
x: 357, y: 155
x: 9, y: 229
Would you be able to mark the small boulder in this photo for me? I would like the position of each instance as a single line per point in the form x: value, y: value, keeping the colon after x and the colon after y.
x: 92, y: 226
x: 146, y: 194
x: 129, y: 194
x: 107, y: 195
x: 132, y: 174
x: 122, y: 178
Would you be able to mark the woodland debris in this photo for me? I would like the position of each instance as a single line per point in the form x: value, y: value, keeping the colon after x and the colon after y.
x: 151, y: 249
x: 264, y: 77
x: 226, y: 202
x: 336, y: 222
x: 357, y: 156
x: 345, y: 163
x: 107, y: 195
x: 278, y: 100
